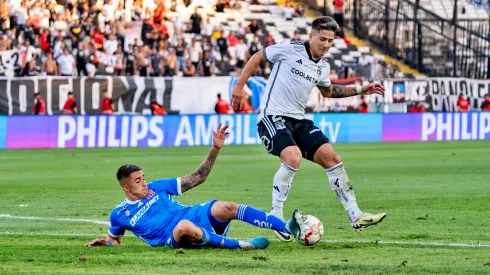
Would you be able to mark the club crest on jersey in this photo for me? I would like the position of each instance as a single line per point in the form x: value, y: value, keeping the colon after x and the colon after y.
x: 151, y: 193
x: 279, y: 123
x: 128, y: 213
x: 319, y: 72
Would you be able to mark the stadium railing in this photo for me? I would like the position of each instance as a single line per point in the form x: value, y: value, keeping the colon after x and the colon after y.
x: 434, y: 45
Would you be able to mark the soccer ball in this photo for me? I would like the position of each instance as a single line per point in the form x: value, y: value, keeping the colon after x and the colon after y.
x: 313, y: 229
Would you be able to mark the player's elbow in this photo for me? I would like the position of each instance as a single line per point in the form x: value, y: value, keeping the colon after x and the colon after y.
x: 325, y: 92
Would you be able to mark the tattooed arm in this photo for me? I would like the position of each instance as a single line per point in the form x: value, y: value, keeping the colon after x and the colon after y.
x: 202, y: 172
x: 335, y: 91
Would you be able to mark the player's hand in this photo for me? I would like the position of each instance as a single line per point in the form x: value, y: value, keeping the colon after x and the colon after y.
x: 237, y: 97
x: 373, y: 88
x: 97, y: 242
x: 219, y: 136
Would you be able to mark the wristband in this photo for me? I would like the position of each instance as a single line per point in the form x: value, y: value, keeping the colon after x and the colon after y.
x: 109, y: 243
x: 358, y: 89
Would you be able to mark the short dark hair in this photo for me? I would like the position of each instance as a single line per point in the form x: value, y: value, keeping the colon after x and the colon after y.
x: 324, y: 23
x: 126, y: 170
x: 219, y: 95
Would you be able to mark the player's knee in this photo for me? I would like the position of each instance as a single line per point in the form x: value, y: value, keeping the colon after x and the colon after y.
x: 230, y: 209
x: 187, y: 229
x: 291, y: 156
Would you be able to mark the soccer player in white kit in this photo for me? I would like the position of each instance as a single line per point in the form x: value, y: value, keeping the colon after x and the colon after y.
x: 283, y: 128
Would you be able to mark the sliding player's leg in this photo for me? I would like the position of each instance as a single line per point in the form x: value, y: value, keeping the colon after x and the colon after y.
x: 223, y: 212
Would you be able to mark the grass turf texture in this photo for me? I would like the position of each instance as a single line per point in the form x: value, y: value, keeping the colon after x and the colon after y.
x: 432, y: 192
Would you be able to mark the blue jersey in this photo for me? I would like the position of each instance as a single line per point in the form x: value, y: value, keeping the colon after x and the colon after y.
x: 153, y: 218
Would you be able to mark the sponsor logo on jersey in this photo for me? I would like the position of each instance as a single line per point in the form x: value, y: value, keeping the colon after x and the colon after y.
x: 142, y: 211
x: 304, y: 75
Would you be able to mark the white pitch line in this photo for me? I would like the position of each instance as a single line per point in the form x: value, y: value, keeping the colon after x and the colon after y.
x: 8, y: 216
x: 323, y: 241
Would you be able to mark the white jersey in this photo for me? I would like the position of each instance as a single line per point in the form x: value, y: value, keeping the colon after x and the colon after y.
x: 292, y: 79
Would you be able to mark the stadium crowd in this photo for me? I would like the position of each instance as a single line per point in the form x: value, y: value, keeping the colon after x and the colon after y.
x: 76, y: 38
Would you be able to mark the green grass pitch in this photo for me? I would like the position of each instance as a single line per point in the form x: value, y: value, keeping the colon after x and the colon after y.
x: 434, y: 193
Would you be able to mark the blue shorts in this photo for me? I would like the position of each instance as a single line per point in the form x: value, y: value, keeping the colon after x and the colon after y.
x: 200, y: 215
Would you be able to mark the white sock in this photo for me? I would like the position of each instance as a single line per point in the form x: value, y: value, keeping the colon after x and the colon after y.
x: 342, y: 188
x: 280, y: 188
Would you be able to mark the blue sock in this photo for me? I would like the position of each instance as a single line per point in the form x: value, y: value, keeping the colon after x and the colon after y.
x: 260, y: 218
x: 213, y: 239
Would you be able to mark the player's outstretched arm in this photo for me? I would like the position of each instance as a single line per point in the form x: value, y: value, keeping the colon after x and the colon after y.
x: 202, y: 172
x: 251, y: 66
x: 335, y: 91
x: 109, y: 241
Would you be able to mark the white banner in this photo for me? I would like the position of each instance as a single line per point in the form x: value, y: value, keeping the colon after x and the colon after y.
x: 9, y: 60
x: 114, y: 61
x: 198, y: 95
x: 444, y: 92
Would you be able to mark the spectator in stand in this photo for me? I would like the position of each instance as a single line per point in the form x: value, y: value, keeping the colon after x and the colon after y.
x: 241, y: 55
x: 39, y: 106
x: 120, y: 68
x: 364, y: 60
x: 196, y: 22
x: 220, y: 6
x: 255, y: 46
x: 254, y: 27
x: 142, y: 61
x: 70, y: 107
x: 364, y: 106
x: 194, y: 52
x: 157, y: 109
x: 485, y: 106
x: 232, y: 39
x: 189, y: 68
x: 66, y: 63
x: 155, y: 60
x: 288, y: 11
x: 463, y: 104
x: 418, y: 108
x: 338, y: 13
x: 107, y: 104
x: 207, y: 65
x: 222, y: 106
x: 300, y: 11
x: 81, y: 59
x: 172, y: 64
x: 179, y: 52
x: 49, y: 67
x: 222, y: 43
x: 31, y: 69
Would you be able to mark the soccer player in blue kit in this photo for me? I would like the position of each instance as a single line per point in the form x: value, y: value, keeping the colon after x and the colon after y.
x: 152, y: 215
